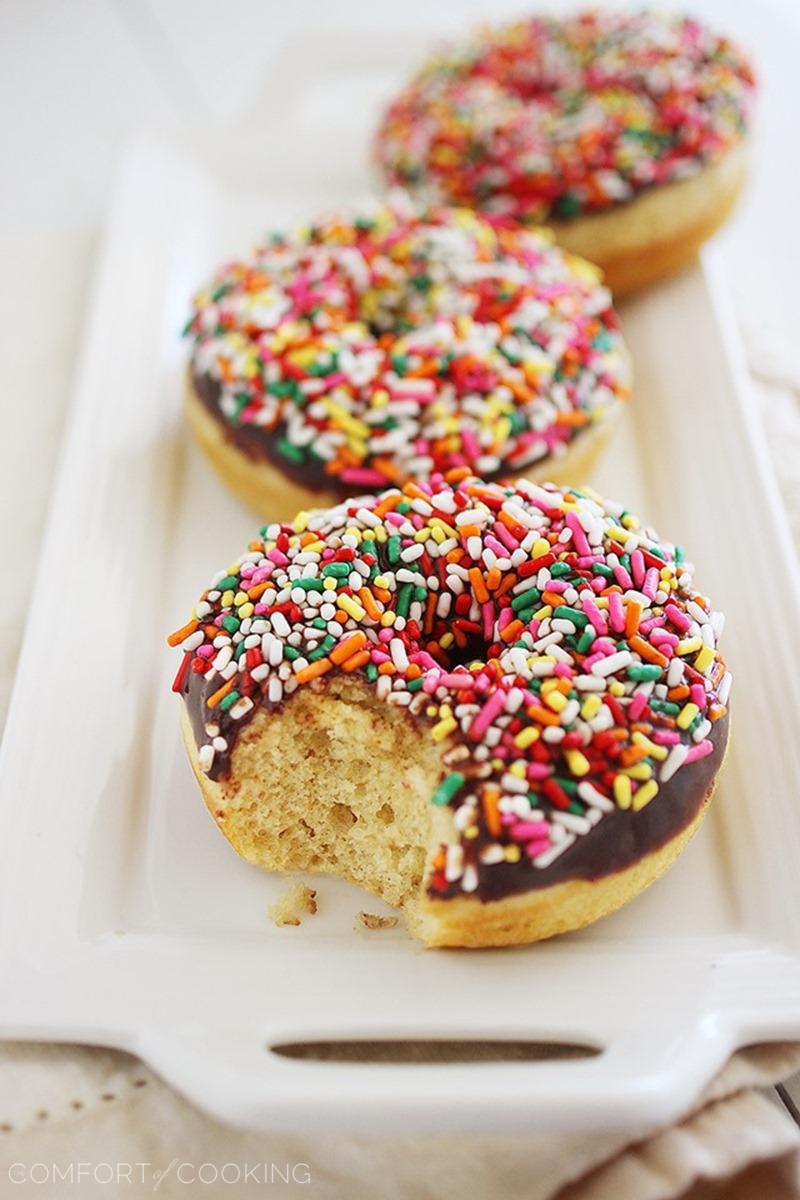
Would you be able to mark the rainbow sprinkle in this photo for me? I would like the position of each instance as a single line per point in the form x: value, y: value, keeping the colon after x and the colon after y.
x: 382, y: 345
x: 551, y: 118
x: 557, y: 650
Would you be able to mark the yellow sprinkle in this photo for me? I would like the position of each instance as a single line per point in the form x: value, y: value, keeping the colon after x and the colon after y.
x: 423, y: 534
x: 640, y: 770
x: 381, y: 581
x: 246, y: 611
x: 313, y: 547
x: 540, y: 547
x: 387, y: 618
x: 556, y: 700
x: 328, y: 584
x: 240, y: 598
x: 616, y: 687
x: 616, y: 534
x: 512, y: 854
x: 591, y: 706
x: 226, y: 600
x: 686, y: 716
x: 689, y: 645
x: 704, y: 659
x: 644, y: 795
x: 518, y: 769
x: 655, y: 751
x: 543, y: 612
x: 351, y: 607
x: 446, y: 640
x: 577, y: 762
x: 471, y: 831
x: 622, y: 791
x: 526, y: 737
x: 443, y: 729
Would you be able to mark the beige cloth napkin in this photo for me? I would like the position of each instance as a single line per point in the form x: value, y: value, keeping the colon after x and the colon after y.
x: 91, y: 1116
x: 74, y: 1119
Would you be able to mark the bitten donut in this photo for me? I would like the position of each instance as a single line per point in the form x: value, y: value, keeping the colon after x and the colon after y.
x: 626, y: 132
x: 499, y: 706
x: 383, y: 344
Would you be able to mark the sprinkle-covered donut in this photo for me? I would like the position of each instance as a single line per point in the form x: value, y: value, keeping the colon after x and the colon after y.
x: 499, y: 705
x: 381, y: 345
x: 559, y: 119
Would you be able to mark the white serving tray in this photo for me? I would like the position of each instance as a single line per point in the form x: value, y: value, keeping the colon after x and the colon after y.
x: 126, y: 920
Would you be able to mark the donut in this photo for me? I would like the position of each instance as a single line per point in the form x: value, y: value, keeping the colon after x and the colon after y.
x: 383, y: 344
x: 499, y: 706
x: 626, y: 132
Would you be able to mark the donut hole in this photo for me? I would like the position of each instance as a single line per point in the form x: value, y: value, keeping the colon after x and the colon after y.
x: 337, y: 782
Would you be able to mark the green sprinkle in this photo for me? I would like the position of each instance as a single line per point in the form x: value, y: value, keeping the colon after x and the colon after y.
x: 309, y: 585
x: 230, y: 581
x: 229, y: 700
x: 404, y: 599
x: 393, y: 549
x: 338, y: 570
x: 448, y: 788
x: 565, y: 613
x: 525, y: 600
x: 644, y: 673
x: 231, y: 624
x: 295, y: 453
x: 290, y: 653
x: 583, y: 645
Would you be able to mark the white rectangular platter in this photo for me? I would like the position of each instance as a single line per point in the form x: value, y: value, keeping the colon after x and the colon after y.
x: 125, y: 920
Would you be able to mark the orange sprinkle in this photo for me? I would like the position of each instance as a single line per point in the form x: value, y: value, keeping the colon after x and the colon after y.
x: 387, y: 668
x: 313, y: 670
x: 543, y: 715
x: 366, y: 598
x: 512, y: 631
x: 348, y: 647
x: 648, y: 652
x: 358, y: 660
x: 633, y: 615
x: 178, y: 636
x: 493, y: 579
x: 254, y: 592
x: 491, y: 811
x: 220, y: 694
x: 478, y: 585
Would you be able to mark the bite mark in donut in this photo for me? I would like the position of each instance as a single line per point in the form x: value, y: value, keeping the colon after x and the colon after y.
x: 537, y: 667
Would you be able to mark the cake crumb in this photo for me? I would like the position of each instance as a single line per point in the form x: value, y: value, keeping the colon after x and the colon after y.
x: 373, y: 921
x: 297, y: 901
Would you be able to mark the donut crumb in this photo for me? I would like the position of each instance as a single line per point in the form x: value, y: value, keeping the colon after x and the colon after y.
x: 296, y: 902
x: 367, y: 920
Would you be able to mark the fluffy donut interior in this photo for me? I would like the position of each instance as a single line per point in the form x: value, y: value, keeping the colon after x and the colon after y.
x: 336, y: 782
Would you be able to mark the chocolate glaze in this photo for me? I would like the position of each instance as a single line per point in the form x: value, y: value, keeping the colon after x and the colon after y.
x: 258, y: 443
x: 619, y: 840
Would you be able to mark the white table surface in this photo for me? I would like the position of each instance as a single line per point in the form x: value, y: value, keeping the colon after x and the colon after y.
x: 77, y: 79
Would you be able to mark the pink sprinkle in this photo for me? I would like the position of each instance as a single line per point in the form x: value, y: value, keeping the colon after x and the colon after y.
x: 362, y: 477
x: 616, y: 612
x: 701, y: 750
x: 637, y: 706
x: 665, y: 737
x: 650, y: 585
x: 678, y: 619
x: 491, y: 709
x: 594, y: 614
x: 579, y: 539
x: 524, y: 830
x: 698, y: 694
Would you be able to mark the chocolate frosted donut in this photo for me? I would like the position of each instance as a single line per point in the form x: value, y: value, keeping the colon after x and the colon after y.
x: 624, y: 131
x: 500, y: 706
x: 382, y: 345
